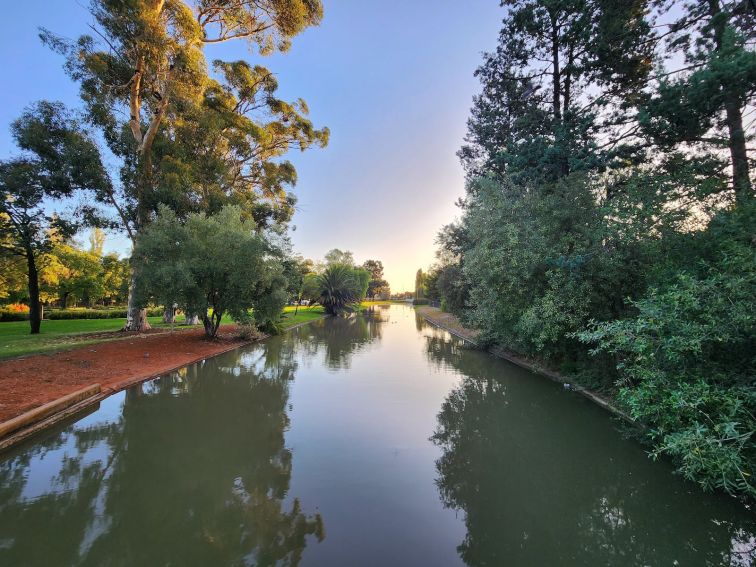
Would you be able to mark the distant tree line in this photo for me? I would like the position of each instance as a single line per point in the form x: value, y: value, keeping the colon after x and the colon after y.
x: 70, y: 275
x: 608, y: 222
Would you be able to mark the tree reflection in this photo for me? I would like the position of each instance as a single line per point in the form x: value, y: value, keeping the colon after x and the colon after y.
x: 545, y: 482
x: 191, y: 470
x: 339, y: 338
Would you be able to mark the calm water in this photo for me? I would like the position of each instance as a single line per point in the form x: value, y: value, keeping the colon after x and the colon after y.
x: 374, y: 440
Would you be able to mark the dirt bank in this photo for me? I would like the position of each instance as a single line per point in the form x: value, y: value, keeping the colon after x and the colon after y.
x: 29, y: 382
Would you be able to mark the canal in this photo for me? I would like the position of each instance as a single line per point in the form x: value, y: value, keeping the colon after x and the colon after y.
x: 371, y: 440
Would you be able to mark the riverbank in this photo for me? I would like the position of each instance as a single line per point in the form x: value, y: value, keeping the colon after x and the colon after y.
x: 67, y: 334
x: 113, y: 364
x: 451, y: 323
x: 31, y: 381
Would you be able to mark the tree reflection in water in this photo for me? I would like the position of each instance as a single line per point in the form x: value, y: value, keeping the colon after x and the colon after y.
x: 545, y: 482
x: 340, y: 338
x: 187, y: 471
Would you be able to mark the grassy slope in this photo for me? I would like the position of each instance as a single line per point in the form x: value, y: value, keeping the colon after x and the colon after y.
x: 15, y: 339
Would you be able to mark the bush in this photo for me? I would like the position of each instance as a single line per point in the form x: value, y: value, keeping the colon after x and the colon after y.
x: 8, y: 315
x: 686, y: 368
x: 419, y: 302
x: 68, y: 314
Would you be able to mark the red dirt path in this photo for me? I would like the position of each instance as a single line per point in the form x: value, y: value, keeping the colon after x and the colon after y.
x: 32, y: 381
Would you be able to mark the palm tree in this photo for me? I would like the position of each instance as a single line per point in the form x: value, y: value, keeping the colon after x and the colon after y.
x: 339, y: 288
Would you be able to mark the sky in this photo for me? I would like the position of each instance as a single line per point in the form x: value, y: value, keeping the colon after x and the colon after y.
x: 392, y: 79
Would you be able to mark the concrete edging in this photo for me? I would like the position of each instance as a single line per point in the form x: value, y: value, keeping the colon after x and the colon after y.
x: 22, y: 426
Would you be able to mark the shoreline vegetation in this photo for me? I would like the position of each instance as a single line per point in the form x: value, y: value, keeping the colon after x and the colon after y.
x: 57, y: 336
x: 451, y: 323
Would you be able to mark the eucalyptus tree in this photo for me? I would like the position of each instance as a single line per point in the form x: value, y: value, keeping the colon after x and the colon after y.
x: 337, y: 256
x: 58, y: 159
x: 143, y: 76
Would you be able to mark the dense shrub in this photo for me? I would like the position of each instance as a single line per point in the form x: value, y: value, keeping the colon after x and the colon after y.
x: 686, y: 366
x: 61, y: 314
x: 8, y: 315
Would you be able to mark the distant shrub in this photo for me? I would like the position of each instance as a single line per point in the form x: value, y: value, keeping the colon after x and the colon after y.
x: 18, y: 307
x: 75, y: 313
x: 8, y: 315
x: 59, y: 314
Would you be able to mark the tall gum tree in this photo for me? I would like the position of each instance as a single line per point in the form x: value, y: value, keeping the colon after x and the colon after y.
x: 145, y: 62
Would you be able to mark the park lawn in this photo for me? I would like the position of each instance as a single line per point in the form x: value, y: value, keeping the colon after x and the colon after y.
x: 303, y: 315
x: 63, y: 334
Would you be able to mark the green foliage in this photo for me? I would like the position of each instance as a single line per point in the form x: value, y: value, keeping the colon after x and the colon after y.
x: 686, y: 365
x: 211, y: 266
x: 67, y: 314
x: 336, y: 256
x: 187, y: 140
x: 311, y: 287
x: 340, y: 287
x: 59, y: 159
x: 70, y: 314
x: 377, y: 285
x: 602, y: 209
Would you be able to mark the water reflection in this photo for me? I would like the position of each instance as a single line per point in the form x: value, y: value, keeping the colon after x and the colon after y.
x: 337, y: 340
x: 179, y: 471
x: 203, y: 467
x: 542, y: 484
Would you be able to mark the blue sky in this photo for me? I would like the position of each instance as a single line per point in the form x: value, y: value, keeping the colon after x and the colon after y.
x: 393, y: 80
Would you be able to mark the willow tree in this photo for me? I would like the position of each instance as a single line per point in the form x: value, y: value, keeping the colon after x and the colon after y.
x: 145, y: 70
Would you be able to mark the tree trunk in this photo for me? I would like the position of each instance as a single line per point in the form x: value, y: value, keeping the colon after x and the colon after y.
x: 136, y: 316
x: 169, y: 314
x: 212, y: 322
x: 556, y: 79
x: 741, y: 179
x: 35, y: 314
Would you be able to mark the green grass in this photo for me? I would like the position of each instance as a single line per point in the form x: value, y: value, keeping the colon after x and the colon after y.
x: 304, y: 314
x: 15, y: 339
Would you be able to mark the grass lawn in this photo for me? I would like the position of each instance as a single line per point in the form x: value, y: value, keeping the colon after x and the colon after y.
x: 15, y: 339
x: 303, y: 315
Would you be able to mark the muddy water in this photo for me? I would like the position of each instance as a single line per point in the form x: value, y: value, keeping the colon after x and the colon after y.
x: 374, y: 440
